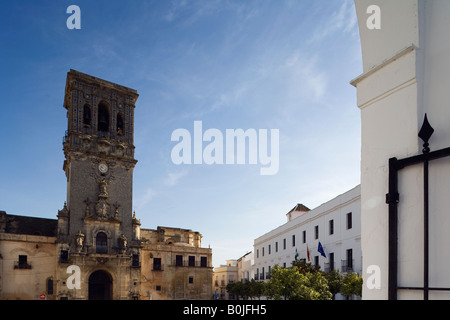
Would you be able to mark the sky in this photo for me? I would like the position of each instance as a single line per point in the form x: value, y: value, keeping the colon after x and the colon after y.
x: 231, y: 64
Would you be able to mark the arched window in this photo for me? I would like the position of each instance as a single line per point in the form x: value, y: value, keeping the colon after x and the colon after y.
x: 87, y: 114
x: 101, y: 243
x: 103, y: 117
x: 119, y: 124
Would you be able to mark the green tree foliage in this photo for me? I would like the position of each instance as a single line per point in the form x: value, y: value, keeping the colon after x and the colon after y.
x: 334, y: 279
x: 302, y: 281
x: 293, y: 284
x: 305, y: 267
x: 352, y: 285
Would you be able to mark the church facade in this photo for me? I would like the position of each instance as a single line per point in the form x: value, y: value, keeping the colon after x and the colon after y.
x: 96, y: 248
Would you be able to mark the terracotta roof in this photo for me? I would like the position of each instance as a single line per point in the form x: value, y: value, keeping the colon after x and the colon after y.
x: 300, y: 207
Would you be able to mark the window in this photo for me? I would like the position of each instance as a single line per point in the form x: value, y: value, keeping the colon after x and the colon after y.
x: 119, y: 124
x: 158, y: 288
x: 316, y: 232
x: 191, y: 261
x: 276, y: 246
x: 284, y: 244
x: 191, y: 280
x: 257, y: 253
x: 203, y: 262
x: 263, y: 251
x: 157, y: 264
x: 316, y: 261
x: 22, y: 263
x: 349, y: 220
x: 347, y: 265
x: 101, y: 243
x: 350, y: 258
x: 135, y: 260
x: 331, y: 227
x: 179, y: 260
x: 269, y: 248
x: 331, y: 257
x: 87, y: 115
x: 50, y: 286
x: 103, y: 117
x: 293, y: 240
x: 64, y: 256
x: 304, y: 236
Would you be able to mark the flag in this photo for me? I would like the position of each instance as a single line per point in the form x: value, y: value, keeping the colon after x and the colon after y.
x: 320, y: 249
x: 296, y: 254
x: 307, y: 252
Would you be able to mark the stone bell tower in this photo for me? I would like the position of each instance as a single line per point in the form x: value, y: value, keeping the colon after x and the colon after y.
x: 97, y: 219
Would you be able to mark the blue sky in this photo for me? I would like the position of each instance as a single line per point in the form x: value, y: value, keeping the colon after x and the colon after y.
x: 261, y: 64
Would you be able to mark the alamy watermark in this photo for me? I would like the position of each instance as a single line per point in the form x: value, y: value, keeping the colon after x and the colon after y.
x: 74, y: 280
x: 229, y: 148
x: 374, y: 20
x: 74, y: 20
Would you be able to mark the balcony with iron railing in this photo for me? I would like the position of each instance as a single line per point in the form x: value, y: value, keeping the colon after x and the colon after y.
x: 329, y: 266
x: 196, y: 264
x: 158, y: 267
x: 347, y: 266
x: 22, y: 265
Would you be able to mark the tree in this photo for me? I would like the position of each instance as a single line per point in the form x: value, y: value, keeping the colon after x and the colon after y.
x: 334, y: 279
x: 237, y: 289
x: 296, y: 284
x: 305, y: 267
x: 283, y: 283
x: 255, y: 289
x: 352, y: 285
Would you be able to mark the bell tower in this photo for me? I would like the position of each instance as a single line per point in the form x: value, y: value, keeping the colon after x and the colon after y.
x: 97, y: 219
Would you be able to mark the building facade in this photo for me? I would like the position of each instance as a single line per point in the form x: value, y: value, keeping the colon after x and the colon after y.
x: 224, y: 275
x: 405, y: 220
x: 335, y: 225
x: 245, y: 267
x: 96, y: 234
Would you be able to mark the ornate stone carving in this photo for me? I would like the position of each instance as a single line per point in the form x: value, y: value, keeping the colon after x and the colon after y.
x: 116, y: 210
x: 102, y: 207
x: 87, y: 210
x: 123, y: 243
x: 102, y: 260
x: 64, y: 213
x: 79, y: 241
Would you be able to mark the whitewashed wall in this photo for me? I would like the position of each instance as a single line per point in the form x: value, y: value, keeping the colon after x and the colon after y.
x: 406, y: 68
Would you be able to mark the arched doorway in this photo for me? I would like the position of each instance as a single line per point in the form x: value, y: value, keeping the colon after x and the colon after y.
x: 100, y: 285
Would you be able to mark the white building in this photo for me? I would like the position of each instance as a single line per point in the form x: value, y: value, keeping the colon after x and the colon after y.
x: 245, y: 267
x: 336, y: 225
x: 405, y: 48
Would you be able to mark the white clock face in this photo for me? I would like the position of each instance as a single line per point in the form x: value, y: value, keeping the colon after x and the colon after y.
x: 103, y: 168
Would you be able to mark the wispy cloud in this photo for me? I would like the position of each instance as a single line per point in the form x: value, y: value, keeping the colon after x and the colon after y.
x: 342, y: 20
x: 306, y: 76
x: 173, y: 178
x: 177, y: 6
x: 144, y: 198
